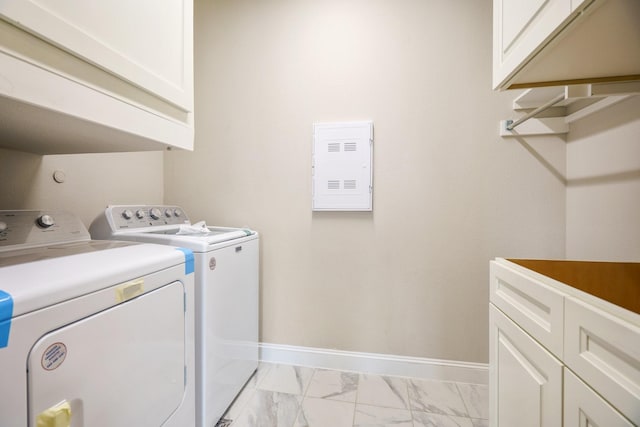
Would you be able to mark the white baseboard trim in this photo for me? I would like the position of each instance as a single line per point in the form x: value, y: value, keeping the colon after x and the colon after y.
x: 381, y: 364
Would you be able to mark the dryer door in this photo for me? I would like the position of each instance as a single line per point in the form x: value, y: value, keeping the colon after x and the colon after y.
x: 124, y: 366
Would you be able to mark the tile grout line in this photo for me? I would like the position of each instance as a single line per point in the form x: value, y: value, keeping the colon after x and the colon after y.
x: 463, y: 401
x: 408, y: 381
x: 355, y: 403
x: 304, y: 396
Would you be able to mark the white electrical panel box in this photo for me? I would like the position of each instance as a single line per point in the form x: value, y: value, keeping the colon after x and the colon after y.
x: 342, y: 166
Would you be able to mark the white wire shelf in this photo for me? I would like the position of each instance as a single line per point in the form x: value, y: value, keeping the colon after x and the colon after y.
x: 579, y: 101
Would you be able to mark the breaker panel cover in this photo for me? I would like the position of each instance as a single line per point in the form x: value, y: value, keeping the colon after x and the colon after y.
x: 342, y: 166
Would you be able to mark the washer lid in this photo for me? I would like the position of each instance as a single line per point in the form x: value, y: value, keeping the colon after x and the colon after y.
x: 197, y: 242
x: 214, y: 235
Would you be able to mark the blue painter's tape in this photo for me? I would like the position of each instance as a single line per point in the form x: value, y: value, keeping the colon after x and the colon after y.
x: 6, y: 312
x: 189, y: 263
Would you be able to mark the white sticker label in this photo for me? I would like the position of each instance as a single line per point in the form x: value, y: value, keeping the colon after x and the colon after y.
x: 53, y: 356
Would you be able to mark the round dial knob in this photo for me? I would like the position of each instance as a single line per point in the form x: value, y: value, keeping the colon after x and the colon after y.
x: 155, y: 213
x: 168, y: 213
x: 45, y: 221
x: 127, y: 214
x: 139, y: 214
x: 177, y: 212
x: 3, y: 226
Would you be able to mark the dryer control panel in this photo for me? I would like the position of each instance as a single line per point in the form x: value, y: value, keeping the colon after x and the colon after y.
x: 28, y: 228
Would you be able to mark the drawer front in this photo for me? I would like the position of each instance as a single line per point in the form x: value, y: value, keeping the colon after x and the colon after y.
x: 534, y: 306
x: 604, y: 351
x: 583, y: 407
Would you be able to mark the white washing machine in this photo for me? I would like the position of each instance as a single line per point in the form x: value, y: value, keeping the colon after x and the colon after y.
x: 226, y: 268
x: 92, y: 333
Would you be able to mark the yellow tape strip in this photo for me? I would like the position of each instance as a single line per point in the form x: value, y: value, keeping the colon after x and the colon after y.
x: 56, y: 416
x: 129, y: 290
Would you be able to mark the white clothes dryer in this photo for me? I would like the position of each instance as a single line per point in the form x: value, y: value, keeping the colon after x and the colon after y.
x: 92, y: 333
x: 226, y: 282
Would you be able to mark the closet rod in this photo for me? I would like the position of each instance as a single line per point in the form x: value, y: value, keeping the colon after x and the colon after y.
x: 511, y: 124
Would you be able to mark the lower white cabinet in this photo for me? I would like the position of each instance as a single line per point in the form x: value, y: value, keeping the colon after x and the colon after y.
x: 525, y: 379
x: 604, y: 350
x: 583, y: 407
x: 591, y: 380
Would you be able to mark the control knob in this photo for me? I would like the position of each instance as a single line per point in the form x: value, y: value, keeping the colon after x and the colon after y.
x: 3, y: 226
x: 139, y: 214
x: 168, y: 213
x: 177, y: 212
x: 45, y: 221
x: 127, y: 214
x: 155, y: 213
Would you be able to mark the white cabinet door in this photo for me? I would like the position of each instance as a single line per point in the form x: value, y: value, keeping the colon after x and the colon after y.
x: 584, y: 408
x: 525, y: 380
x: 140, y: 41
x: 575, y: 4
x: 96, y: 76
x: 558, y: 42
x: 604, y: 350
x: 520, y: 27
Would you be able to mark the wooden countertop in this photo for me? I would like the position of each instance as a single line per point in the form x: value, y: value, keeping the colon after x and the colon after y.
x: 616, y: 282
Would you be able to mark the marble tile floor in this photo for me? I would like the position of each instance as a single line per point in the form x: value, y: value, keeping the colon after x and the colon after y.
x: 295, y: 396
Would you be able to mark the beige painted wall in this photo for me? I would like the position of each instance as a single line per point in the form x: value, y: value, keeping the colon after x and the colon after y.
x: 410, y: 278
x: 603, y: 186
x: 92, y: 181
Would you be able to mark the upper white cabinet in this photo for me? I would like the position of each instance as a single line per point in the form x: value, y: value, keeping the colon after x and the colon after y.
x: 79, y: 76
x: 555, y: 42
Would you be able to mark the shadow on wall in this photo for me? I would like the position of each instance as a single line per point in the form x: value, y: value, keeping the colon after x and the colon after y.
x: 18, y: 173
x: 599, y: 131
x: 618, y: 115
x: 543, y: 161
x: 610, y: 178
x: 604, y: 148
x: 342, y: 215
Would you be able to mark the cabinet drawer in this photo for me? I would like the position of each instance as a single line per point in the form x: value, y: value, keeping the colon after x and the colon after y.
x: 583, y: 407
x: 604, y: 351
x: 534, y: 306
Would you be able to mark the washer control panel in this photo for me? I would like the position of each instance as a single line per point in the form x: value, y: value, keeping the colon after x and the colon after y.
x: 123, y: 217
x: 26, y: 228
